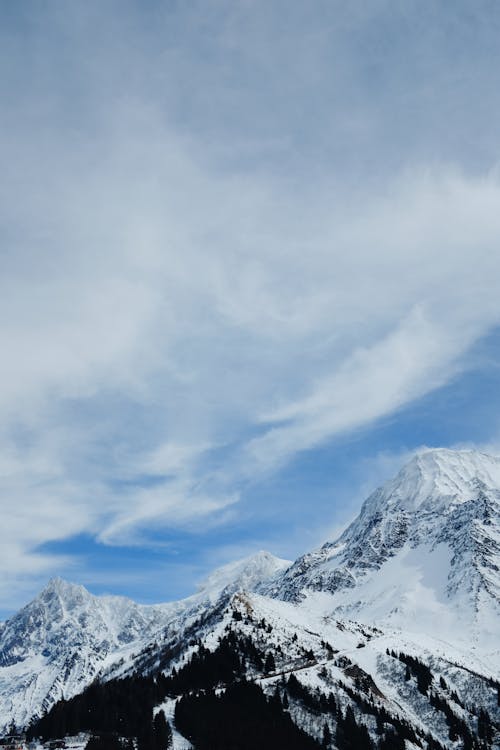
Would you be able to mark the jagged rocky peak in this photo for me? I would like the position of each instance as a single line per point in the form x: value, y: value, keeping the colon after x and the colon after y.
x: 441, y: 499
x: 63, y: 601
x: 61, y: 586
x: 64, y: 593
x: 439, y: 476
x: 432, y: 484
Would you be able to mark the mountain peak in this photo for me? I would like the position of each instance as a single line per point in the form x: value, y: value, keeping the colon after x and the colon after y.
x: 61, y: 585
x: 438, y: 476
x: 248, y: 573
x: 65, y: 591
x: 437, y: 520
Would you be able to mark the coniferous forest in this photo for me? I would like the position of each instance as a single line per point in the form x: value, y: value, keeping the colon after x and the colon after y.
x: 219, y: 708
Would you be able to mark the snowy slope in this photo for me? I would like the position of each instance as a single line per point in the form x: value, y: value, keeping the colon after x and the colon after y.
x: 350, y: 659
x: 422, y: 555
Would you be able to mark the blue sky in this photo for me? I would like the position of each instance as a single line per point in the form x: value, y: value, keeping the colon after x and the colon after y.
x: 249, y: 263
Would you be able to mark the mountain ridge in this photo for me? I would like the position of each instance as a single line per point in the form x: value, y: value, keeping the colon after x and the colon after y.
x: 418, y: 566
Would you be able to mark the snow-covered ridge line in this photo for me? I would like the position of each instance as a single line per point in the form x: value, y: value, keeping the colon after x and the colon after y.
x: 59, y: 642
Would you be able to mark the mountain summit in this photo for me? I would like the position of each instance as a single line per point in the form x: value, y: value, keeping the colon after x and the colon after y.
x: 247, y: 574
x: 424, y: 548
x: 436, y: 478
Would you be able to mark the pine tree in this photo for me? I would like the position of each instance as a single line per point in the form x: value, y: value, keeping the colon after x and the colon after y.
x: 327, y: 736
x: 484, y: 728
x: 380, y: 725
x: 270, y: 665
x: 162, y: 732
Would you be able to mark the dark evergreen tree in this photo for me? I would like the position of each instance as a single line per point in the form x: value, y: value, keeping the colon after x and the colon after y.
x: 300, y: 692
x: 350, y: 735
x: 420, y: 670
x: 391, y: 741
x: 162, y: 732
x: 484, y: 728
x: 277, y: 698
x: 327, y: 737
x: 270, y: 665
x: 380, y: 725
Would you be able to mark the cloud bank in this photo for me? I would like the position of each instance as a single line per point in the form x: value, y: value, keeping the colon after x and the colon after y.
x: 226, y: 238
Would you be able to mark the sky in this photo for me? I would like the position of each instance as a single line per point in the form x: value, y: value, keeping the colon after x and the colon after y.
x: 249, y: 263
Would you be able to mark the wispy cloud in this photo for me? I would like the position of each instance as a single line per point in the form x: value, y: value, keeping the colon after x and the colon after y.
x: 418, y: 248
x: 226, y: 237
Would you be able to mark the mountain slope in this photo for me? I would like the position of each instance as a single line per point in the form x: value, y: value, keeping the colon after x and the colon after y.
x: 393, y: 685
x: 56, y: 645
x: 423, y: 553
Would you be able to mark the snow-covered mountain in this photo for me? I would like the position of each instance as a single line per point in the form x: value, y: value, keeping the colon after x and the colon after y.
x: 423, y: 553
x: 55, y: 645
x: 65, y: 637
x: 418, y: 572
